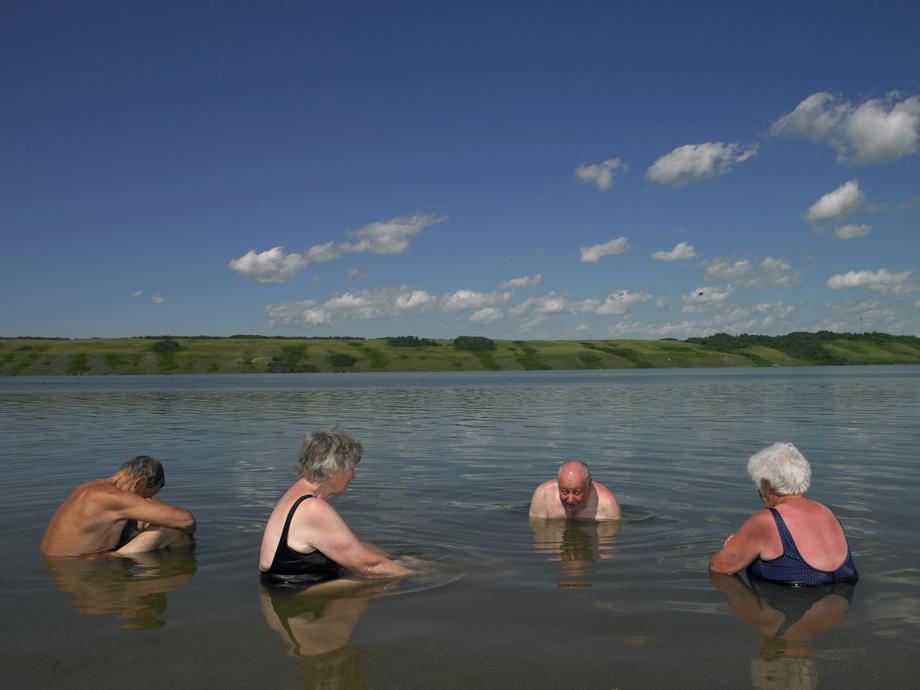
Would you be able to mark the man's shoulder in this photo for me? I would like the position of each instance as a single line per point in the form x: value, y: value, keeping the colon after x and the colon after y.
x: 550, y: 485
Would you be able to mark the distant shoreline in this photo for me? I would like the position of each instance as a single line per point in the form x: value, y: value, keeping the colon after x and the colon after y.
x: 261, y: 354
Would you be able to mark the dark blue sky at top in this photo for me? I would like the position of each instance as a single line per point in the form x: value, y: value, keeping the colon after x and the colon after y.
x: 145, y: 139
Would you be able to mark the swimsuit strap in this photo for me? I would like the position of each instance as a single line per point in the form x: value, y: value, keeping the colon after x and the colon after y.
x: 785, y: 536
x: 287, y: 523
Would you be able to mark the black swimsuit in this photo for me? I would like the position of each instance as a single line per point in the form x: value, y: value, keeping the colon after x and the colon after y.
x: 299, y: 569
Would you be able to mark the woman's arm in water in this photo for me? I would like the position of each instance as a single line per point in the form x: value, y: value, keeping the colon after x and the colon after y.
x: 324, y: 529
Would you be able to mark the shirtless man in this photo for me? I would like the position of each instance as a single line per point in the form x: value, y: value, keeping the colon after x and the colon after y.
x: 118, y: 515
x: 574, y: 495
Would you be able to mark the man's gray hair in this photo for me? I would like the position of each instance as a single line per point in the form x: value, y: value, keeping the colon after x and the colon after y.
x: 582, y: 465
x: 148, y: 467
x: 326, y: 453
x: 783, y: 467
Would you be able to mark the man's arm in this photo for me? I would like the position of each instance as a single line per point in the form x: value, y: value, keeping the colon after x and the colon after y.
x: 743, y: 547
x: 147, y: 510
x: 608, y: 507
x: 538, y: 507
x: 329, y: 534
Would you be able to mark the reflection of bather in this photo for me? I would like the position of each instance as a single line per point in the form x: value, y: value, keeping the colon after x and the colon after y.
x: 787, y: 618
x: 318, y: 629
x: 573, y: 544
x: 134, y: 589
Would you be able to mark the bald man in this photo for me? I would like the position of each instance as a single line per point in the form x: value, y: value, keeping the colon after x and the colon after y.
x: 574, y: 495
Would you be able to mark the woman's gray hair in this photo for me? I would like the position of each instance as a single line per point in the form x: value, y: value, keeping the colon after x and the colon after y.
x: 783, y: 467
x: 326, y: 453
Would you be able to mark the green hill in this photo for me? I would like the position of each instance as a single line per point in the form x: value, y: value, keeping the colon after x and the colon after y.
x: 261, y: 354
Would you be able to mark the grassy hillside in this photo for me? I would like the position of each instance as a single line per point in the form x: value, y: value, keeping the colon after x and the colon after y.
x: 244, y: 354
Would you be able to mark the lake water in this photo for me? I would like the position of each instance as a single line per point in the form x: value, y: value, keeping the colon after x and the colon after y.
x: 450, y: 463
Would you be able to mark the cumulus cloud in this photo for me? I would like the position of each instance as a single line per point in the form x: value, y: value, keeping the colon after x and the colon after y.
x: 388, y: 236
x: 322, y: 252
x: 661, y: 304
x: 778, y: 272
x: 874, y: 131
x: 384, y: 237
x: 416, y: 299
x: 525, y: 282
x: 595, y: 253
x: 706, y: 298
x: 773, y: 312
x: 300, y: 313
x: 673, y: 329
x: 271, y: 266
x: 470, y: 299
x: 724, y: 269
x: 848, y: 232
x: 600, y: 174
x: 881, y: 280
x: 582, y: 327
x: 356, y: 304
x: 487, y: 315
x: 693, y: 162
x: 621, y: 301
x: 844, y: 200
x: 681, y: 252
x: 157, y: 299
x: 138, y: 293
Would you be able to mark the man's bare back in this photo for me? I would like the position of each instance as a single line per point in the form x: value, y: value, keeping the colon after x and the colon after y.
x: 574, y: 495
x: 93, y: 519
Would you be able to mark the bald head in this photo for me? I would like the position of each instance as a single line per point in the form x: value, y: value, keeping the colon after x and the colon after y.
x: 574, y: 480
x: 574, y: 471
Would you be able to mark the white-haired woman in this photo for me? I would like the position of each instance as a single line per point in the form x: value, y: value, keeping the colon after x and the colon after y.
x: 795, y: 540
x: 305, y: 541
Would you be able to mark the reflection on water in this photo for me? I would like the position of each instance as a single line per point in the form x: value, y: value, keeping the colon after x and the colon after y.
x: 133, y: 589
x: 317, y: 629
x: 787, y: 618
x: 576, y: 544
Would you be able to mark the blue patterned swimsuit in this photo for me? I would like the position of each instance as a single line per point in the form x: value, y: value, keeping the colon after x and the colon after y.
x: 792, y: 569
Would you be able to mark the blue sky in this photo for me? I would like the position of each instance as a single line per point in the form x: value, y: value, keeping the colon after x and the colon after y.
x: 515, y: 170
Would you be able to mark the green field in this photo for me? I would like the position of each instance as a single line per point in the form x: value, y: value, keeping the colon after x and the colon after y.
x: 240, y: 354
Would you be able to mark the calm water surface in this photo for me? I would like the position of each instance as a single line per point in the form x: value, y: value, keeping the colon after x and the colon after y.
x: 450, y: 463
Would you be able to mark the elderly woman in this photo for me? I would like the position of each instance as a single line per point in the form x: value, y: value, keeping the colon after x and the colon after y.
x: 796, y: 540
x: 305, y: 540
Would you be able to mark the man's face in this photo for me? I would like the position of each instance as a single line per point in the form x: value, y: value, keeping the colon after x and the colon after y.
x: 573, y: 492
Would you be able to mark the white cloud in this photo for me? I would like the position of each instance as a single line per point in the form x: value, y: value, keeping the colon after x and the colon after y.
x: 301, y: 313
x: 416, y: 299
x: 874, y: 131
x: 554, y: 304
x: 347, y: 300
x: 470, y: 299
x: 388, y: 236
x: 706, y: 298
x: 779, y: 272
x: 678, y: 329
x: 582, y: 327
x: 322, y: 252
x: 661, y: 304
x: 135, y: 295
x: 881, y: 280
x: 844, y: 200
x: 525, y: 282
x: 698, y: 161
x: 723, y: 269
x: 270, y: 266
x: 157, y: 299
x: 600, y: 174
x: 773, y: 312
x: 681, y: 252
x: 487, y: 315
x: 595, y: 253
x: 848, y: 232
x: 620, y: 302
